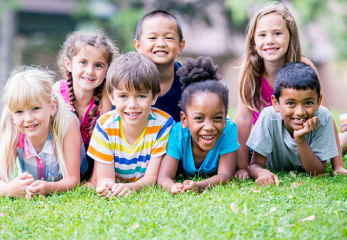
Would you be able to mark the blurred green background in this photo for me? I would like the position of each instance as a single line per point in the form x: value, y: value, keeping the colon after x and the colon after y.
x: 32, y: 31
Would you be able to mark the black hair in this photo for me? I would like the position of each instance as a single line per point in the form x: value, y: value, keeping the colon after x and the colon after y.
x: 298, y: 76
x: 158, y: 13
x: 199, y: 76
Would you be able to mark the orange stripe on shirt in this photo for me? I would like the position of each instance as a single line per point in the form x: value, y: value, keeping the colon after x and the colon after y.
x: 155, y: 129
x: 101, y: 156
x: 158, y: 150
x: 164, y: 114
x: 134, y: 179
x: 112, y: 132
x: 103, y: 119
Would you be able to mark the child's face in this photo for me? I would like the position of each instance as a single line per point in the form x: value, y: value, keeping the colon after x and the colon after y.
x: 159, y: 40
x: 88, y: 68
x: 271, y: 38
x: 205, y: 120
x: 296, y: 107
x: 133, y: 106
x: 34, y: 120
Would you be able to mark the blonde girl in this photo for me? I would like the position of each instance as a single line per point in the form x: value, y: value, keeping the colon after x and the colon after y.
x: 84, y: 60
x: 272, y: 41
x: 37, y: 133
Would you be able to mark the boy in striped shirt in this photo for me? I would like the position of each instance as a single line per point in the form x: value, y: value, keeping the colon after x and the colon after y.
x: 128, y: 143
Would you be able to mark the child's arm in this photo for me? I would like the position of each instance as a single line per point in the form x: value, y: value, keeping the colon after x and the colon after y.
x: 258, y: 172
x: 71, y: 150
x: 312, y: 164
x: 106, y: 104
x: 337, y: 161
x: 17, y: 187
x: 105, y: 178
x: 167, y: 173
x: 226, y: 170
x: 243, y: 120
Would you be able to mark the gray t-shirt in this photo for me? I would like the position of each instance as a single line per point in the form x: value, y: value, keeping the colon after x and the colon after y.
x: 272, y: 140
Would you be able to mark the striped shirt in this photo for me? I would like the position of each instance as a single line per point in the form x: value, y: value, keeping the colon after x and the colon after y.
x: 108, y: 144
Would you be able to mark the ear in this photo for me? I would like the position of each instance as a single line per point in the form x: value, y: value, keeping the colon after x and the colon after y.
x: 53, y: 107
x: 181, y: 46
x: 184, y: 120
x: 319, y: 102
x: 68, y: 64
x: 154, y: 99
x: 275, y: 103
x: 137, y: 45
x: 111, y: 97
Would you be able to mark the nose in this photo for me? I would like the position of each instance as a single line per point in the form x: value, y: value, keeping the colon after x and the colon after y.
x: 90, y: 69
x: 209, y: 125
x: 28, y: 117
x: 160, y: 42
x: 300, y: 110
x: 132, y: 103
x: 270, y: 39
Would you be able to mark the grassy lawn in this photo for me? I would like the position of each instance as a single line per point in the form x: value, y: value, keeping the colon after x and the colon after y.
x: 315, y: 209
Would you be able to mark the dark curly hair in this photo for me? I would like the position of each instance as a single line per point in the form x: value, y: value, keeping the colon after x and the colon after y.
x: 75, y: 41
x: 199, y: 76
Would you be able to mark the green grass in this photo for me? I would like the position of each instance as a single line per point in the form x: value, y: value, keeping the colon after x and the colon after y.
x: 155, y: 214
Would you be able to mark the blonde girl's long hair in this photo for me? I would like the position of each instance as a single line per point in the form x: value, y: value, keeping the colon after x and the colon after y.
x: 25, y: 86
x: 252, y: 66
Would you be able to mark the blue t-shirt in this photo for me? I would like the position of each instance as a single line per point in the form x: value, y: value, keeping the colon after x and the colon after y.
x: 180, y: 147
x: 169, y: 101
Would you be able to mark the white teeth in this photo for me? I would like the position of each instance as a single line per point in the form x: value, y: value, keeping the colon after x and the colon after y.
x: 132, y: 114
x: 209, y: 137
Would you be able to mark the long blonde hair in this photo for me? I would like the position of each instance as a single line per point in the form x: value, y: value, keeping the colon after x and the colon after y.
x: 27, y: 85
x: 252, y: 66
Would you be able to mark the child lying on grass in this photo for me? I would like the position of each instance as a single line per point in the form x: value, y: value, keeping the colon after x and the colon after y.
x: 296, y: 132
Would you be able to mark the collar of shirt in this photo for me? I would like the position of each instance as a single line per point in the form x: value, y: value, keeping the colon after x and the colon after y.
x: 29, y: 150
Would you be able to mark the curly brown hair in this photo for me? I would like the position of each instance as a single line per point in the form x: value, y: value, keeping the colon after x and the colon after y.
x: 75, y: 41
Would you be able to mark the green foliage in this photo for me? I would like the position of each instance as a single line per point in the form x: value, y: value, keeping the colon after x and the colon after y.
x: 262, y: 213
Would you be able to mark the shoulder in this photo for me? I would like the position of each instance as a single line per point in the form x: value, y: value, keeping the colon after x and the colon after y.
x: 177, y: 65
x: 178, y: 132
x: 269, y: 113
x: 230, y: 125
x: 323, y: 115
x: 159, y: 117
x: 56, y: 86
x: 108, y: 119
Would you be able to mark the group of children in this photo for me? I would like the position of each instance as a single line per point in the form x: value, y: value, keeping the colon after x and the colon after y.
x: 111, y: 122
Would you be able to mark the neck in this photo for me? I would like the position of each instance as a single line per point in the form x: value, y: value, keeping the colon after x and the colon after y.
x: 167, y: 76
x: 83, y: 98
x: 39, y: 141
x: 271, y: 68
x: 132, y: 133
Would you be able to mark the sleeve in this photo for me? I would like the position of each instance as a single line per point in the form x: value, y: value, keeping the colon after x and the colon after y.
x: 323, y: 142
x: 229, y: 143
x: 260, y: 139
x: 159, y: 147
x: 100, y: 148
x: 173, y: 149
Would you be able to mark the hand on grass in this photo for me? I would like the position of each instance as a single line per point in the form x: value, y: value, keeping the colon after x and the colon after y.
x: 120, y: 189
x: 267, y: 178
x: 340, y: 170
x: 38, y: 187
x: 309, y: 126
x: 104, y: 191
x: 19, y: 184
x: 241, y: 173
x: 189, y: 185
x: 176, y: 188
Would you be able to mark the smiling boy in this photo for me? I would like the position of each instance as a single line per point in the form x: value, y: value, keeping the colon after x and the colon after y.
x: 159, y: 37
x: 128, y: 143
x: 296, y: 133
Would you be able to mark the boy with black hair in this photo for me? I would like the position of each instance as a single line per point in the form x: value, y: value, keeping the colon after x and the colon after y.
x: 296, y: 133
x: 159, y: 37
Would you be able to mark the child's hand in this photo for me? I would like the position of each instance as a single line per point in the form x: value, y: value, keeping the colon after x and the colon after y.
x: 267, y: 178
x: 189, y: 185
x: 120, y: 189
x: 104, y: 191
x: 309, y: 126
x: 19, y: 184
x: 38, y: 187
x: 340, y: 170
x: 70, y: 107
x: 176, y: 188
x: 241, y: 173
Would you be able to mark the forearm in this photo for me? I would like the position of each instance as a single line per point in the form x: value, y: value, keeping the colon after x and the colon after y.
x: 5, y: 189
x: 256, y: 170
x: 144, y: 181
x: 241, y: 161
x: 214, y: 180
x: 110, y: 181
x: 337, y: 161
x: 166, y: 183
x: 243, y: 132
x: 312, y: 164
x: 63, y: 185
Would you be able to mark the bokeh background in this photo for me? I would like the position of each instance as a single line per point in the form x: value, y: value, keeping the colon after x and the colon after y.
x: 32, y: 31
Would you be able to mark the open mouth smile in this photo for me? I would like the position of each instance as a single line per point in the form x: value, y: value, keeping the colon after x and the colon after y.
x: 88, y: 79
x: 271, y: 50
x: 132, y: 115
x: 299, y: 120
x: 32, y: 126
x: 163, y: 53
x: 208, y: 138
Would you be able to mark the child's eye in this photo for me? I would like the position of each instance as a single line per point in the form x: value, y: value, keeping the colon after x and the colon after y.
x: 219, y: 118
x: 122, y: 96
x: 198, y: 118
x: 309, y: 103
x: 290, y: 103
x: 171, y: 38
x: 152, y: 38
x: 142, y: 96
x: 98, y: 65
x: 18, y: 112
x: 36, y: 108
x: 262, y: 35
x: 277, y: 33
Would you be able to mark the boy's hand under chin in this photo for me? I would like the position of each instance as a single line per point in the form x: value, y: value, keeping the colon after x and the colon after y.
x: 309, y: 126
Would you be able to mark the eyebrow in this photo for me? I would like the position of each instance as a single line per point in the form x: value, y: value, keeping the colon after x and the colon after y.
x: 220, y: 112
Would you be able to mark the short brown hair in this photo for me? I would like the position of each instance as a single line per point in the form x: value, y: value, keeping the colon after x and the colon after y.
x: 133, y: 71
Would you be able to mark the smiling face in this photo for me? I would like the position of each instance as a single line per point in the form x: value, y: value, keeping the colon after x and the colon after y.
x: 205, y: 120
x: 159, y: 40
x: 296, y: 107
x: 133, y: 107
x: 34, y: 121
x: 88, y: 68
x: 271, y: 38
